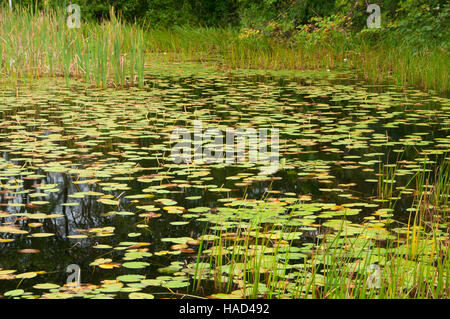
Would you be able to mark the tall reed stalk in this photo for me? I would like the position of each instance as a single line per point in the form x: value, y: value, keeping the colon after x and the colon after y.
x: 35, y: 44
x: 246, y: 263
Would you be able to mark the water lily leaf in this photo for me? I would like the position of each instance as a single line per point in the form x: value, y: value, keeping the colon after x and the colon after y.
x: 26, y: 275
x: 135, y: 264
x: 39, y: 235
x: 131, y: 278
x: 140, y: 295
x: 46, y: 286
x: 14, y: 293
x: 108, y: 201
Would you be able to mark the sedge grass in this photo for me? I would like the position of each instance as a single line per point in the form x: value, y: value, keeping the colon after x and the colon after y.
x: 35, y: 44
x: 38, y: 43
x: 414, y: 263
x: 404, y: 66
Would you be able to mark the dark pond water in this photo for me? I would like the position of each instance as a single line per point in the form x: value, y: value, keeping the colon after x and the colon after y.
x: 79, y: 156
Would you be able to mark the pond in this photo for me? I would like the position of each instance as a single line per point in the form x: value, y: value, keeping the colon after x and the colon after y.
x: 87, y: 179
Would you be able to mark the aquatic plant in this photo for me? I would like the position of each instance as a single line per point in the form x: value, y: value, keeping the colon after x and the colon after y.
x: 37, y: 44
x: 86, y: 175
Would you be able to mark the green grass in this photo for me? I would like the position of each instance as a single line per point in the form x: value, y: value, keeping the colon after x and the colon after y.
x: 244, y: 259
x: 377, y: 63
x: 113, y: 53
x: 412, y: 261
x: 41, y: 44
x: 413, y: 267
x: 433, y: 191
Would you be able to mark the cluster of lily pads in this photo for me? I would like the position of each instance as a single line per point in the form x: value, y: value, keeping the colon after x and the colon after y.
x: 86, y: 178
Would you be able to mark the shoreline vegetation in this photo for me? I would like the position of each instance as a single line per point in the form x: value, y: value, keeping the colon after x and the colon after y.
x: 364, y: 261
x: 114, y: 52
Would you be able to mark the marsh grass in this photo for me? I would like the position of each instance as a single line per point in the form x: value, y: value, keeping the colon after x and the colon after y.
x: 381, y: 62
x: 41, y: 44
x: 244, y: 259
x: 433, y: 191
x: 414, y: 263
x: 113, y: 53
x: 386, y: 182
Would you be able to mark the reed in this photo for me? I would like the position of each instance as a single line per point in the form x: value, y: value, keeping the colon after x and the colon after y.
x: 382, y: 62
x: 433, y: 191
x: 246, y: 263
x: 36, y: 44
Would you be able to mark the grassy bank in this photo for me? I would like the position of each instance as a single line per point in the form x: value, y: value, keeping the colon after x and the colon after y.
x: 35, y: 45
x: 113, y: 53
x: 379, y: 62
x: 381, y: 258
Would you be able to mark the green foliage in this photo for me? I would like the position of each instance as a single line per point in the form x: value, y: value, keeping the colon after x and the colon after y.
x: 40, y: 43
x: 424, y: 23
x: 421, y: 23
x: 411, y: 46
x: 281, y: 16
x: 163, y: 13
x: 330, y: 29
